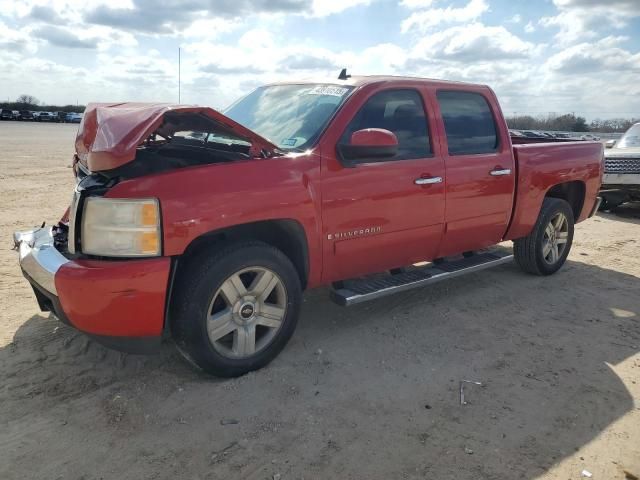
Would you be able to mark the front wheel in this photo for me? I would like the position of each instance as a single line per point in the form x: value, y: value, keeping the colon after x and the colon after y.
x: 235, y: 310
x: 546, y: 248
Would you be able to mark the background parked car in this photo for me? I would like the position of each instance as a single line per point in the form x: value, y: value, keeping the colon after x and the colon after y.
x: 25, y: 115
x: 6, y: 114
x: 588, y: 136
x: 621, y: 179
x: 44, y: 117
x: 531, y: 134
x: 73, y: 117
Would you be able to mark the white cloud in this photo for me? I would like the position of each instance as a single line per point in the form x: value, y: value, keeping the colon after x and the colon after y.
x: 211, y: 27
x: 580, y: 19
x: 323, y: 8
x: 383, y: 58
x: 416, y: 3
x: 604, y: 56
x: 471, y: 43
x: 240, y: 44
x: 61, y: 37
x: 16, y: 41
x: 425, y: 20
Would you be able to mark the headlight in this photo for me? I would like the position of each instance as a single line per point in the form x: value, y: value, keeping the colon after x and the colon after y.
x: 114, y: 227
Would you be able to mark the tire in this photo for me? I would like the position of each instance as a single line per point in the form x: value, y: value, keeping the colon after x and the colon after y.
x: 608, y: 203
x: 227, y: 328
x: 536, y: 252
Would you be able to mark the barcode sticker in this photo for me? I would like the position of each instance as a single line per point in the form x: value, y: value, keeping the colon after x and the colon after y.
x: 331, y: 90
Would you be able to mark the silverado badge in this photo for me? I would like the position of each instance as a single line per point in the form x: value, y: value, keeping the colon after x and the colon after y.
x: 354, y: 233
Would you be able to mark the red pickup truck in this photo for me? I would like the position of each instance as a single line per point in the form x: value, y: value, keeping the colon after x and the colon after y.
x: 206, y: 227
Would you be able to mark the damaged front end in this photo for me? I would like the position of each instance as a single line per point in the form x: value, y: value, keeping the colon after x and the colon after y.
x: 74, y: 266
x: 116, y: 142
x: 183, y: 140
x: 131, y: 139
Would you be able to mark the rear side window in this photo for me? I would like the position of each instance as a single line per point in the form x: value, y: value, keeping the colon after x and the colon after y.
x: 400, y: 111
x: 468, y: 122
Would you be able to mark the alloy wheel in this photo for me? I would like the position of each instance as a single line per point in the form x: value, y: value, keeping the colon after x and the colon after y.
x: 246, y: 312
x: 556, y: 236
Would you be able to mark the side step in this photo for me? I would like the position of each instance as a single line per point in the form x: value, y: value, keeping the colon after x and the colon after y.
x: 368, y: 288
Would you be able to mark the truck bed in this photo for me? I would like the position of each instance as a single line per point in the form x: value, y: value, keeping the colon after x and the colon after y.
x: 540, y: 166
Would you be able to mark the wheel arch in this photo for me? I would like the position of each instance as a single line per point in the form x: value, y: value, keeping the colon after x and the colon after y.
x: 287, y: 235
x: 572, y: 192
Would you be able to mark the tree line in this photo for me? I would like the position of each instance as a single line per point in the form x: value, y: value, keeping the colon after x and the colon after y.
x: 570, y: 123
x: 29, y: 102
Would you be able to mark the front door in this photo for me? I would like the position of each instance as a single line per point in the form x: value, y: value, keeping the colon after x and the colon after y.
x: 382, y: 215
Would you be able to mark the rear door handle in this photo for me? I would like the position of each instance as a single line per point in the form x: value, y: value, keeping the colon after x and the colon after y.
x: 427, y: 180
x: 500, y: 172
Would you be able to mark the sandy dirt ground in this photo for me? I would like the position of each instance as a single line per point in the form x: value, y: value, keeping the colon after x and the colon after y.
x: 366, y: 392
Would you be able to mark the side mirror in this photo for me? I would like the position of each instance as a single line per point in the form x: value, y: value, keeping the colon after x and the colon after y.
x: 610, y: 144
x: 369, y: 145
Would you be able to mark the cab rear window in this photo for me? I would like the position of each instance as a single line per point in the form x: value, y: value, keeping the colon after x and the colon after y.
x: 468, y: 123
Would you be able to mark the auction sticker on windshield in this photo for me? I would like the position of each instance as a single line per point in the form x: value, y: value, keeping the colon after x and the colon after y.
x: 328, y: 90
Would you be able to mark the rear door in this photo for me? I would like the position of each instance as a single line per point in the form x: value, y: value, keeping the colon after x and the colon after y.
x: 480, y: 170
x: 382, y: 215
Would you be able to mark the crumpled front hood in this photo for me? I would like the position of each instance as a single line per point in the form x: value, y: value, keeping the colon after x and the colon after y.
x: 110, y: 133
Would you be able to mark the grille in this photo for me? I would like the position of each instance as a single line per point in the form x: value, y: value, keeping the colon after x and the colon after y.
x: 622, y: 165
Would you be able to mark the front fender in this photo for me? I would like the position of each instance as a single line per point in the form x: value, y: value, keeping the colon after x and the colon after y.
x: 198, y: 200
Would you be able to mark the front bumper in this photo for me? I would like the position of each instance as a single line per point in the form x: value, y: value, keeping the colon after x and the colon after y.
x: 120, y: 303
x: 39, y: 259
x: 627, y: 179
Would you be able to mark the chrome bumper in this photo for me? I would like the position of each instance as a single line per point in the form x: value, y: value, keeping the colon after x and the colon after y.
x: 621, y: 179
x: 39, y: 259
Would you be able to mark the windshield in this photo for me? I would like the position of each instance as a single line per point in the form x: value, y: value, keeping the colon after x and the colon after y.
x: 631, y: 138
x: 289, y: 116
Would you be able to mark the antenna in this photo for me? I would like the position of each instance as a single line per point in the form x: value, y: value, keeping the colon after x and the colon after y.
x: 179, y: 65
x: 343, y: 74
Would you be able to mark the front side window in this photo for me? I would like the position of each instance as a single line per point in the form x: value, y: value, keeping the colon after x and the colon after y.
x: 468, y: 123
x: 290, y: 116
x: 401, y: 112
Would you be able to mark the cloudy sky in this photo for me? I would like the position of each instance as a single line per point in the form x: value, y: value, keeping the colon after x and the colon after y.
x: 540, y: 56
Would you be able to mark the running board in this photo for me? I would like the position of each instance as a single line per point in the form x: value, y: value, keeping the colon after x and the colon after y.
x: 363, y: 289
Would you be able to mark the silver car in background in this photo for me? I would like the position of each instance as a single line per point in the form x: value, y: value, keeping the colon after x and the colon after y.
x: 621, y: 179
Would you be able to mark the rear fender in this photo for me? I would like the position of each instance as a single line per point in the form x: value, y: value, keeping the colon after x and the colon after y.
x: 545, y: 170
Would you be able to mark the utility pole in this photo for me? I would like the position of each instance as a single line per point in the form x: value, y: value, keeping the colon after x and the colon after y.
x: 179, y: 67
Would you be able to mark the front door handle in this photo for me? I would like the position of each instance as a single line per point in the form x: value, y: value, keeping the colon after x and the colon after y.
x: 427, y: 180
x: 500, y: 172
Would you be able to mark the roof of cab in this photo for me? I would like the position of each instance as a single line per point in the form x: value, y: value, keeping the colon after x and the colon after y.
x: 361, y: 80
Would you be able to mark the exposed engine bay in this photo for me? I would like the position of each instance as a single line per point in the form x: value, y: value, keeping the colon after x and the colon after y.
x: 182, y: 140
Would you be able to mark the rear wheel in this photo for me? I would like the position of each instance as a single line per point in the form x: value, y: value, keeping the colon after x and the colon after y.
x: 546, y: 248
x: 233, y: 312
